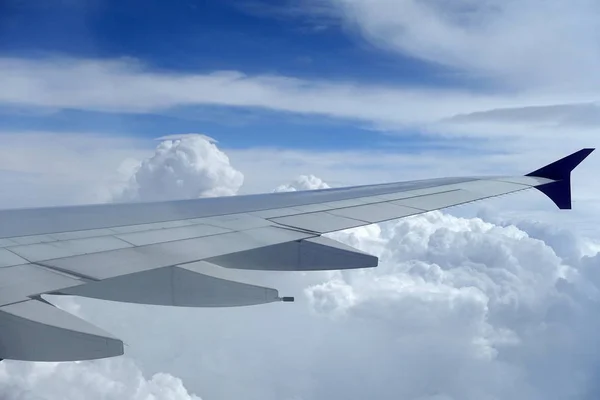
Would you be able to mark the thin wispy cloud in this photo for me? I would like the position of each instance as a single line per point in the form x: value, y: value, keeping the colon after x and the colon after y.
x: 128, y: 86
x: 539, y: 44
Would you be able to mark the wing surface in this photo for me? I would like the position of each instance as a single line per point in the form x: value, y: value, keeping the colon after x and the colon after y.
x: 183, y: 253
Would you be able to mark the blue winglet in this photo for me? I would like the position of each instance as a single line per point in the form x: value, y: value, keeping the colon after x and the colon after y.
x: 560, y: 171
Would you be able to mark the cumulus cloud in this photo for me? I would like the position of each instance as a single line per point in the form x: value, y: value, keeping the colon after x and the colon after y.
x: 115, y: 379
x: 186, y: 167
x: 303, y: 182
x: 459, y: 308
x: 466, y: 309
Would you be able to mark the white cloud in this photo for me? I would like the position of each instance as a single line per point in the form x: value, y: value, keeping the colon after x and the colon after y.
x: 127, y: 86
x: 187, y: 167
x: 51, y: 168
x: 303, y: 182
x: 527, y: 43
x: 186, y: 135
x: 527, y: 75
x: 114, y: 379
x: 459, y: 308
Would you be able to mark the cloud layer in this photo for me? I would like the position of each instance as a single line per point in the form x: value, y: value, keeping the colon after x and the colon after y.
x: 459, y: 308
x: 127, y: 86
x: 528, y: 43
x: 115, y: 379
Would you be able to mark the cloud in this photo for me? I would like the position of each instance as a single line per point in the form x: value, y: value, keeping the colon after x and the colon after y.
x: 190, y: 166
x: 303, y: 182
x: 129, y: 86
x: 114, y: 379
x: 531, y: 43
x: 525, y: 74
x: 462, y: 307
x: 186, y: 135
x: 584, y: 115
x: 45, y: 168
x: 51, y: 168
x: 459, y: 308
x: 126, y: 85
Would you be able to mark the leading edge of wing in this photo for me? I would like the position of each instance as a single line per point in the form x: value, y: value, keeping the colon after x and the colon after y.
x: 53, y: 220
x: 64, y: 219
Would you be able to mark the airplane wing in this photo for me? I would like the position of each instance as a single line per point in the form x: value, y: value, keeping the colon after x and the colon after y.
x: 177, y: 253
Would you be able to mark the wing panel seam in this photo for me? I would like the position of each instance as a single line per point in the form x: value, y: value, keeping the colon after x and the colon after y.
x: 514, y: 183
x: 67, y: 271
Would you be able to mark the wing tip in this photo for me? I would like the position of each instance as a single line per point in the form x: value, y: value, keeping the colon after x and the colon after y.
x: 559, y: 171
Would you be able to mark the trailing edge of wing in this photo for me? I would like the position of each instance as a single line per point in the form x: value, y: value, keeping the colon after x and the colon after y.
x: 182, y: 286
x: 37, y: 331
x: 313, y: 254
x: 559, y: 191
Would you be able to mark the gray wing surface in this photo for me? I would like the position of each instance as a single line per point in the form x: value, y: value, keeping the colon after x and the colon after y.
x: 182, y: 253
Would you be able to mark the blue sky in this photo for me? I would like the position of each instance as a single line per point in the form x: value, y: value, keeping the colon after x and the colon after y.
x: 312, y: 74
x: 202, y: 37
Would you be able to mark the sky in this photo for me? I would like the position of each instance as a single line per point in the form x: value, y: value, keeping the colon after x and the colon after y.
x: 107, y: 101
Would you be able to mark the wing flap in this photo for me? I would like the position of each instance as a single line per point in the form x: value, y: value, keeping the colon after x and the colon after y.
x: 181, y: 286
x: 114, y: 263
x: 313, y: 254
x: 37, y: 331
x: 20, y: 282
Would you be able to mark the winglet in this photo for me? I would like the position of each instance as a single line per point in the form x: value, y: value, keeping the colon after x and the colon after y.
x: 560, y: 172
